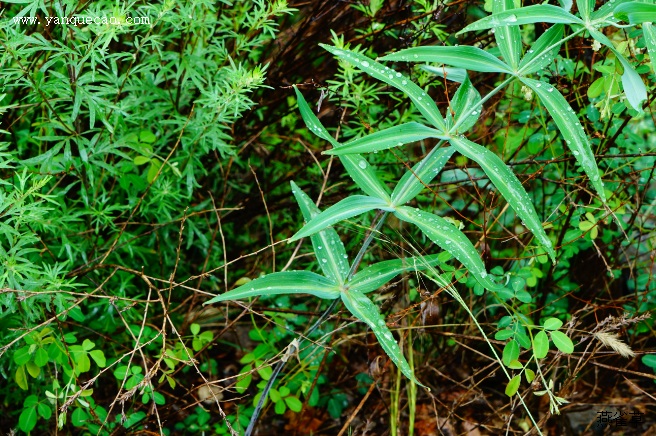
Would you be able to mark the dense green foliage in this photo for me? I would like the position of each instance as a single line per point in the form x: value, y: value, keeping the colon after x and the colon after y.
x: 146, y: 160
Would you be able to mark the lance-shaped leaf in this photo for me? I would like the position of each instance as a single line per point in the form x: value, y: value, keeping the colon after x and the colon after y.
x: 636, y: 12
x: 376, y: 275
x: 356, y: 166
x: 453, y: 74
x: 569, y: 126
x: 423, y: 102
x: 365, y: 310
x: 605, y: 11
x: 449, y: 238
x: 586, y: 7
x: 508, y: 185
x: 349, y: 207
x: 470, y: 58
x: 464, y: 106
x: 566, y: 4
x: 415, y: 180
x: 527, y: 15
x: 387, y: 138
x: 650, y: 41
x: 287, y: 282
x: 634, y: 87
x: 542, y: 52
x: 328, y: 248
x: 508, y: 37
x: 364, y: 176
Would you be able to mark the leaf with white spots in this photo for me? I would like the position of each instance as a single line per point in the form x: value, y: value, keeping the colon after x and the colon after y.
x: 376, y: 275
x: 365, y: 310
x: 508, y: 185
x: 287, y: 282
x: 423, y: 102
x: 464, y: 105
x: 349, y: 207
x: 449, y: 238
x: 388, y: 138
x: 470, y: 58
x: 543, y: 51
x: 508, y: 37
x: 570, y: 127
x: 415, y: 180
x: 526, y: 15
x: 328, y: 248
x: 356, y: 166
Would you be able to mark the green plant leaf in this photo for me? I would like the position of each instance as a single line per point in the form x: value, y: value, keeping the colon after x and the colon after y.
x: 636, y: 12
x: 287, y: 282
x: 327, y: 244
x: 356, y: 166
x: 44, y: 410
x: 463, y: 105
x: 376, y: 275
x: 634, y: 87
x: 423, y: 102
x: 22, y: 355
x: 140, y: 160
x: 510, y: 352
x: 99, y: 357
x: 502, y: 335
x: 280, y: 407
x: 649, y: 360
x: 541, y: 344
x: 467, y: 57
x: 569, y: 126
x: 585, y: 8
x: 349, y: 207
x: 41, y: 357
x: 508, y: 185
x: 513, y: 385
x: 562, y: 342
x: 552, y: 324
x: 414, y: 181
x: 508, y: 37
x: 365, y: 310
x: 27, y: 419
x: 527, y: 15
x: 387, y: 138
x: 530, y: 375
x: 539, y: 56
x: 650, y: 41
x: 33, y: 369
x: 293, y: 403
x: 453, y: 74
x: 449, y: 238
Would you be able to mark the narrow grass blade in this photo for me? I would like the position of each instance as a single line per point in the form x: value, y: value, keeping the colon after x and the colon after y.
x: 569, y: 126
x: 376, y: 275
x: 328, y: 247
x: 469, y: 58
x: 349, y: 207
x: 527, y: 15
x: 356, y: 166
x: 287, y: 282
x: 423, y: 102
x: 453, y: 74
x: 463, y: 101
x: 538, y: 56
x: 634, y: 87
x: 636, y: 12
x: 414, y: 181
x: 449, y: 238
x: 365, y: 310
x: 508, y: 37
x: 387, y: 138
x: 508, y: 185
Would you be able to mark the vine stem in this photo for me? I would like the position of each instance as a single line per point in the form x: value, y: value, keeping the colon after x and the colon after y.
x: 295, y: 345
